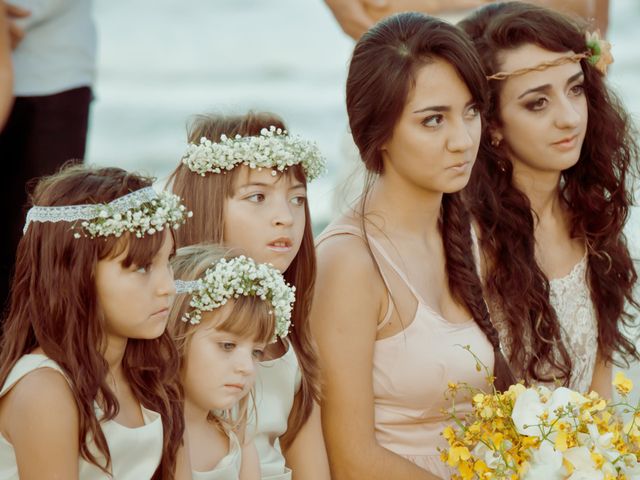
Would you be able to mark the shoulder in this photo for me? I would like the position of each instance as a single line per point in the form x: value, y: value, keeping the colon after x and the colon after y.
x: 41, y: 421
x: 346, y: 269
x: 349, y: 293
x: 41, y: 402
x: 347, y: 252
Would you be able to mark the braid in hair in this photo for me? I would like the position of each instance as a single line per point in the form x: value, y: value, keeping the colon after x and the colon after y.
x: 464, y: 282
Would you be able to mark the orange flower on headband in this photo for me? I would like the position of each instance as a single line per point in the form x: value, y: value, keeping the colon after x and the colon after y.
x: 600, y: 50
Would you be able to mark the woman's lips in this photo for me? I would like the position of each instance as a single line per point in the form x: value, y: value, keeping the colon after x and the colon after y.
x: 282, y: 244
x: 567, y: 143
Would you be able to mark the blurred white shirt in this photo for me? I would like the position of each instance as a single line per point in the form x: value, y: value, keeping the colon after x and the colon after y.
x: 58, y: 51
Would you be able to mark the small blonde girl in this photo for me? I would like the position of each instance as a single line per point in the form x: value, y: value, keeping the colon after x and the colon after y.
x: 231, y: 310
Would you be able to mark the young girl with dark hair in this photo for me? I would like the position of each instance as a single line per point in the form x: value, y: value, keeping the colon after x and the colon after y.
x: 397, y: 293
x: 550, y: 195
x: 245, y: 178
x: 88, y: 372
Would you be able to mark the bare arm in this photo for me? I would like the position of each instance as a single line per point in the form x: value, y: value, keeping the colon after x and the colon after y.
x: 39, y: 412
x: 602, y: 16
x: 354, y: 16
x: 183, y: 464
x: 250, y: 469
x: 13, y: 12
x: 349, y: 296
x: 597, y: 10
x: 6, y: 69
x: 37, y: 11
x: 602, y: 377
x: 357, y: 16
x: 307, y: 455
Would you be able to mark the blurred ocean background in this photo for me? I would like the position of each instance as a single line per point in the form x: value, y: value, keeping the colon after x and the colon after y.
x: 162, y: 61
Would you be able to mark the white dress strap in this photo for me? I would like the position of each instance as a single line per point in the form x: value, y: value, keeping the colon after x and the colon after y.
x: 228, y: 468
x: 135, y: 452
x: 27, y: 364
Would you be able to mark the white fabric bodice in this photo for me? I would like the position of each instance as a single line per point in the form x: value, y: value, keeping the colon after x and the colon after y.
x: 135, y: 452
x: 228, y: 468
x: 571, y: 299
x: 277, y: 383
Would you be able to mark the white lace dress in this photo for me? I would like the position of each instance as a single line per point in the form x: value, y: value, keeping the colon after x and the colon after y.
x: 571, y: 299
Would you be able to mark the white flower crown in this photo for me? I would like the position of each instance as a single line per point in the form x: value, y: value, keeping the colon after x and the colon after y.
x: 143, y: 212
x: 227, y: 279
x: 273, y: 148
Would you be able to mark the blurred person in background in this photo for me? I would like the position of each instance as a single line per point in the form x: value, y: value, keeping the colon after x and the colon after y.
x: 10, y: 35
x: 53, y: 71
x: 357, y: 16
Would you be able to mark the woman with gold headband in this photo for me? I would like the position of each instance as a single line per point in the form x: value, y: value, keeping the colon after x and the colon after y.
x: 550, y: 197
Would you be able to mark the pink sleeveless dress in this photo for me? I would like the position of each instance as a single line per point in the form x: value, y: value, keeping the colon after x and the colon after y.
x: 411, y: 371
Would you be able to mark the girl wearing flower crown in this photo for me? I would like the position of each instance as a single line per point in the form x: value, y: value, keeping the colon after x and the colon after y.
x: 245, y: 178
x: 233, y: 309
x: 397, y: 293
x: 88, y: 374
x: 550, y: 197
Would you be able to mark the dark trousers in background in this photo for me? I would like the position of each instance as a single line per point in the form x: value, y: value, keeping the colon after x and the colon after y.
x: 41, y: 134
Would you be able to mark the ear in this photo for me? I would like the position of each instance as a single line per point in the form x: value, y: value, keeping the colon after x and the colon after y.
x: 495, y: 135
x: 495, y: 131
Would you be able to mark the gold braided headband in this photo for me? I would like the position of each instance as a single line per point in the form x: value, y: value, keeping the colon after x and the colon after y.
x: 576, y: 57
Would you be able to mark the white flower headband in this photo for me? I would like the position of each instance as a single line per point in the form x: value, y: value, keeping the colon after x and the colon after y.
x: 273, y: 148
x: 143, y: 212
x: 227, y: 279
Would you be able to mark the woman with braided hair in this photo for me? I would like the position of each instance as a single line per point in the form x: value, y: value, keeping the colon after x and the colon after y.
x: 550, y: 194
x: 397, y: 293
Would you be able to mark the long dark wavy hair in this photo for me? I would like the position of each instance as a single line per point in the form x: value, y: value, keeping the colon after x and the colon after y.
x: 206, y: 197
x: 381, y: 75
x: 595, y: 191
x: 54, y: 306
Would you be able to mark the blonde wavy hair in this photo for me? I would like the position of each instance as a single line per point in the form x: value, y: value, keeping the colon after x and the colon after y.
x: 250, y: 317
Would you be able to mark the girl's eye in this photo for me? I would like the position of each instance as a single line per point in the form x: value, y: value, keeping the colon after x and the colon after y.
x: 258, y: 354
x: 227, y: 346
x: 473, y: 111
x: 577, y: 90
x: 144, y: 270
x: 538, y: 104
x: 299, y: 200
x: 256, y: 198
x: 433, y: 121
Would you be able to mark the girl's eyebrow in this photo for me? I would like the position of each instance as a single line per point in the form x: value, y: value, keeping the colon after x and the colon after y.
x: 442, y: 108
x: 256, y: 184
x: 543, y: 88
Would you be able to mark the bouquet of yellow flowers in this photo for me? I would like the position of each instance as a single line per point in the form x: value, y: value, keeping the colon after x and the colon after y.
x: 542, y: 434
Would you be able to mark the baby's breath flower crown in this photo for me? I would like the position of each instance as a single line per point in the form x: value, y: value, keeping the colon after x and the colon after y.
x: 143, y: 212
x: 274, y: 148
x: 228, y: 279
